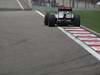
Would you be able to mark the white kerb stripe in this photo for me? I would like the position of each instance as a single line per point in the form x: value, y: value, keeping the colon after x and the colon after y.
x: 87, y: 48
x: 84, y: 32
x: 84, y: 35
x: 93, y: 43
x: 96, y: 48
x: 20, y: 4
x: 74, y: 29
x: 90, y: 39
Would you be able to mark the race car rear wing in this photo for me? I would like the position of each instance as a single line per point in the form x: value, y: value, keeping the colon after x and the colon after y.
x: 64, y: 9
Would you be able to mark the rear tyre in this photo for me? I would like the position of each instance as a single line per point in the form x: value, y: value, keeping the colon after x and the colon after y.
x: 76, y: 20
x: 46, y: 19
x: 51, y: 21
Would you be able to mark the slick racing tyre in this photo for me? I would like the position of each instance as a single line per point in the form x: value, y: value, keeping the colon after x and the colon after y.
x: 46, y: 19
x: 76, y: 20
x: 51, y: 21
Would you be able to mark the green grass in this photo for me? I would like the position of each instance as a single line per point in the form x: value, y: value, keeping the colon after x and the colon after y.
x: 90, y: 19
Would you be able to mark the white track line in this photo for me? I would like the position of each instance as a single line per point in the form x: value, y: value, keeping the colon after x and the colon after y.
x: 87, y: 48
x: 39, y: 13
x: 20, y: 4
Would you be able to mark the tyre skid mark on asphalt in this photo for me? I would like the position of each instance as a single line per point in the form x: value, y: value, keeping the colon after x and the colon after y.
x: 80, y: 35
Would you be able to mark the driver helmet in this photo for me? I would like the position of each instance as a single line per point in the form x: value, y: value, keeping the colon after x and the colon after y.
x: 67, y: 12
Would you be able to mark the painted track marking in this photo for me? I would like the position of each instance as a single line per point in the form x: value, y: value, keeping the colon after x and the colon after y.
x: 20, y: 4
x: 98, y: 39
x: 84, y: 35
x: 93, y: 43
x: 91, y: 50
x: 74, y: 29
x: 81, y: 32
x: 97, y: 48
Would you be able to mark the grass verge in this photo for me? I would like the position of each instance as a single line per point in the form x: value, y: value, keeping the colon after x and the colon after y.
x: 89, y: 18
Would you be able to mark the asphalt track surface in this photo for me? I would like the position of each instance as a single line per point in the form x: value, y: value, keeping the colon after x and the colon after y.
x: 27, y: 47
x: 6, y: 5
x: 9, y: 4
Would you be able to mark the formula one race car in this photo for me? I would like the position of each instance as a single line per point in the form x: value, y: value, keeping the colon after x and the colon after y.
x: 64, y: 16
